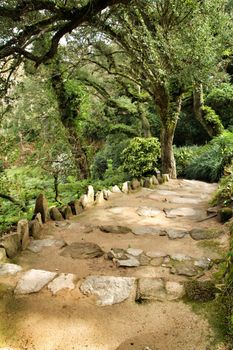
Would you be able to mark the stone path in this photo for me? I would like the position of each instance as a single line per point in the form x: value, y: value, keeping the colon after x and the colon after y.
x: 115, y: 275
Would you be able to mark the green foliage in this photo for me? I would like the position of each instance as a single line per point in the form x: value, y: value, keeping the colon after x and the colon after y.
x: 184, y: 156
x: 224, y: 194
x: 220, y: 98
x: 140, y: 158
x: 210, y: 164
x: 212, y: 120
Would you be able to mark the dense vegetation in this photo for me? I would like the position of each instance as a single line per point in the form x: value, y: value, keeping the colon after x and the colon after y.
x: 101, y: 91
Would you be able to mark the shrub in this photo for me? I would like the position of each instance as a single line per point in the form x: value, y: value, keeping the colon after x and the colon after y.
x: 184, y: 156
x: 141, y: 156
x: 221, y: 100
x: 224, y: 194
x: 210, y: 164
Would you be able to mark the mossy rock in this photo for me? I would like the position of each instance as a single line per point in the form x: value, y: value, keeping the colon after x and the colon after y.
x: 200, y: 290
x: 202, y: 233
x: 225, y: 214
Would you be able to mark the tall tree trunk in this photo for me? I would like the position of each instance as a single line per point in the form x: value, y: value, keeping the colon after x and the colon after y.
x: 169, y: 115
x: 68, y: 118
x: 213, y: 125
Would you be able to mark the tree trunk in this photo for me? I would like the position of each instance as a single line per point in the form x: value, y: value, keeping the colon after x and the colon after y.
x: 68, y: 116
x: 213, y: 125
x: 167, y: 155
x: 169, y: 115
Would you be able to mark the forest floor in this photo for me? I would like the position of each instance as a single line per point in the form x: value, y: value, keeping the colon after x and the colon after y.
x: 72, y: 320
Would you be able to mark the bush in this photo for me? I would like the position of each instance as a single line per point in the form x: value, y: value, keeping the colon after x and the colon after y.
x: 210, y: 164
x: 141, y: 156
x: 224, y: 194
x: 221, y: 100
x: 184, y: 156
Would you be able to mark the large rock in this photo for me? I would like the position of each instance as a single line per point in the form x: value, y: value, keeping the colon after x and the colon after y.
x: 202, y: 233
x: 9, y: 269
x: 148, y: 212
x: 175, y: 290
x: 55, y: 214
x: 23, y: 232
x: 131, y: 261
x: 36, y: 246
x: 107, y: 194
x: 109, y: 290
x: 84, y: 201
x: 134, y: 251
x: 63, y: 281
x: 99, y: 198
x: 156, y: 254
x: 11, y: 243
x: 176, y: 233
x: 90, y: 195
x: 66, y: 212
x: 148, y: 230
x: 41, y: 207
x: 135, y: 184
x: 185, y: 268
x: 3, y: 256
x: 125, y: 187
x: 115, y: 229
x: 154, y: 180
x: 76, y: 206
x: 150, y: 289
x: 224, y: 214
x: 85, y: 250
x: 39, y: 218
x: 182, y: 212
x: 35, y: 228
x: 33, y: 281
x: 115, y: 189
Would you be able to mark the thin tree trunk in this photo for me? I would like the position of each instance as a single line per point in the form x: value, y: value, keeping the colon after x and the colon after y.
x: 68, y: 117
x: 213, y: 127
x: 169, y: 118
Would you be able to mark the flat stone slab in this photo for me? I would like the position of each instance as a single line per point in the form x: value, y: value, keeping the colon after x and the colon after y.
x: 109, y: 290
x: 115, y: 229
x: 148, y: 230
x: 33, y: 281
x: 203, y: 263
x: 175, y: 290
x: 36, y: 246
x: 185, y: 200
x: 9, y: 269
x: 134, y: 251
x: 156, y: 254
x: 185, y: 268
x: 176, y: 233
x: 151, y: 289
x: 87, y: 250
x: 148, y: 212
x: 63, y: 281
x: 181, y: 212
x: 180, y: 257
x: 201, y: 234
x: 130, y: 262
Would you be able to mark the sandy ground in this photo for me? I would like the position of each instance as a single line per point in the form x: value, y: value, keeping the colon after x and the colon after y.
x: 70, y: 320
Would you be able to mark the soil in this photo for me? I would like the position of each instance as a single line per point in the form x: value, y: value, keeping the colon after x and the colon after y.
x: 72, y: 321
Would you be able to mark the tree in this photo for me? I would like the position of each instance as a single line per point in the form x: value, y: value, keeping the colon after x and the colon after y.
x: 164, y: 47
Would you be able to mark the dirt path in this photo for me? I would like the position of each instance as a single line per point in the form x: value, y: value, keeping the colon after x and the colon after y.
x: 161, y: 250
